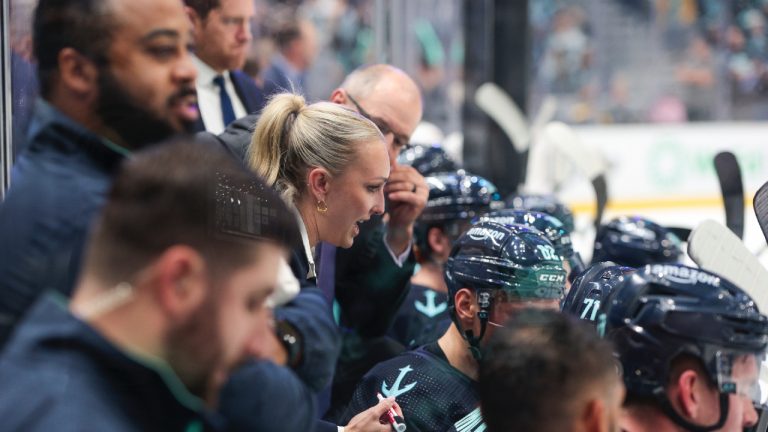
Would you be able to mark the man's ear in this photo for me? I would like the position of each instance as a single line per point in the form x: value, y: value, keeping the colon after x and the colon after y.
x: 466, y: 308
x: 181, y: 281
x: 689, y: 384
x: 593, y: 418
x: 77, y: 73
x: 318, y: 181
x: 339, y: 96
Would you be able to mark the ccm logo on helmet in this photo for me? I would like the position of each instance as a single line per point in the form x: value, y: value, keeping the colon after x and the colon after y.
x: 479, y: 233
x: 685, y: 275
x: 550, y: 278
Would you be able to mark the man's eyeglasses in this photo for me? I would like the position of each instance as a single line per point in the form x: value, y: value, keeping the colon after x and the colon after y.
x: 400, y: 141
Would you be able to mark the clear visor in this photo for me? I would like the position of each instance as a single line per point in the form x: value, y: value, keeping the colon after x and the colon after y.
x: 743, y: 374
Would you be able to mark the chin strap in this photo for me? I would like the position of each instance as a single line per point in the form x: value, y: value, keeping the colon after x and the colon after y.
x: 484, y: 302
x: 666, y: 406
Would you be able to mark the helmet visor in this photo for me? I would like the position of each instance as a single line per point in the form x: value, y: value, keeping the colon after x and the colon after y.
x: 741, y: 374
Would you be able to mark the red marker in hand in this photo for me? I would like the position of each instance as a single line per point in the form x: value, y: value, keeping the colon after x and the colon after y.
x: 397, y: 422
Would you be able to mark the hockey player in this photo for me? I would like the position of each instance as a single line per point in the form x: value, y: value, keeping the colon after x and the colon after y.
x: 636, y: 241
x: 454, y: 199
x: 592, y: 287
x: 493, y: 271
x: 691, y: 346
x: 551, y: 227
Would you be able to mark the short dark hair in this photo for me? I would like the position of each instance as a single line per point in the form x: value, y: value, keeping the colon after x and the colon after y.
x: 540, y: 363
x: 84, y: 25
x: 287, y: 32
x: 202, y: 7
x: 185, y: 193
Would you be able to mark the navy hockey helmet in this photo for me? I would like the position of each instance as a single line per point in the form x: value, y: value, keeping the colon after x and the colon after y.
x: 504, y: 262
x: 546, y: 204
x: 550, y: 226
x: 458, y: 195
x: 663, y: 311
x: 454, y: 199
x: 427, y: 159
x: 592, y: 287
x: 636, y: 241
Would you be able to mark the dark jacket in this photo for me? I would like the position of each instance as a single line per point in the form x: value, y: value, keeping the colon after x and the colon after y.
x: 321, y: 346
x: 285, y: 406
x: 57, y: 186
x: 249, y: 93
x: 236, y: 138
x: 58, y: 373
x: 263, y: 396
x: 277, y: 80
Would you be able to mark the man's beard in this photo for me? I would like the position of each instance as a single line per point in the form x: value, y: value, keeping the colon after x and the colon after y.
x: 136, y: 125
x: 194, y: 349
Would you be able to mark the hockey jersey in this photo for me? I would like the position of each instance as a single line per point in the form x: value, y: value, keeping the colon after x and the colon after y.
x: 422, y: 318
x: 433, y: 395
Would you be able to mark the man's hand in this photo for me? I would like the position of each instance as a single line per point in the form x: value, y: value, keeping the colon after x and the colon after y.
x: 369, y: 420
x: 407, y: 192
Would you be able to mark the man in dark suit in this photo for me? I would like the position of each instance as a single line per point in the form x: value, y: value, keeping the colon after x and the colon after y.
x: 222, y: 33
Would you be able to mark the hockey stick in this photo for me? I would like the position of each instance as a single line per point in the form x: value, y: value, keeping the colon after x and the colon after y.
x: 717, y: 249
x: 504, y: 111
x: 760, y: 204
x: 587, y: 160
x: 546, y: 113
x: 729, y: 176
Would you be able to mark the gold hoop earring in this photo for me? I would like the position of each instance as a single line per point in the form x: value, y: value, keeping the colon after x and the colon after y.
x: 322, y: 207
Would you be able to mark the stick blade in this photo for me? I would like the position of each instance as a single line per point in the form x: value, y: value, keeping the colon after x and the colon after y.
x: 717, y: 249
x: 565, y: 140
x: 601, y: 198
x: 732, y: 188
x: 760, y: 204
x: 504, y: 111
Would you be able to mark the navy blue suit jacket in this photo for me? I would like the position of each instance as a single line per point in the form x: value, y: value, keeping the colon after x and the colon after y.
x: 249, y: 93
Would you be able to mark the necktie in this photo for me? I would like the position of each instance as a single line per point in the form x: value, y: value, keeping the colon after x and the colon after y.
x: 227, y: 112
x: 326, y: 270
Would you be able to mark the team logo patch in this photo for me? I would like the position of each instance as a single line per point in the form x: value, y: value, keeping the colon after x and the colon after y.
x: 395, y: 390
x: 430, y: 308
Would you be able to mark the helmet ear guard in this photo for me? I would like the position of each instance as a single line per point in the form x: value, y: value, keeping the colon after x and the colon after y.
x: 484, y: 302
x: 666, y: 406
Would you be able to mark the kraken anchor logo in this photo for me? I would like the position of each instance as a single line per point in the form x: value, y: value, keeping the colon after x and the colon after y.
x: 395, y: 390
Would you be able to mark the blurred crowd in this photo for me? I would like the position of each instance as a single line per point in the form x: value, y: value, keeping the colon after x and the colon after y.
x: 661, y: 61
